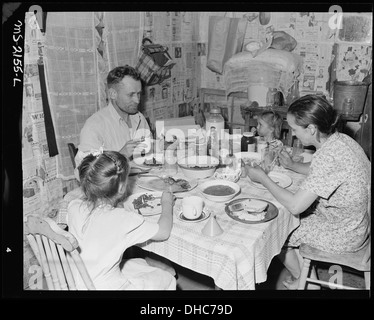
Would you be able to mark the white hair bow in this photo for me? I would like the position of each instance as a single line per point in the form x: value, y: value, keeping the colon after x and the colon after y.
x: 96, y: 153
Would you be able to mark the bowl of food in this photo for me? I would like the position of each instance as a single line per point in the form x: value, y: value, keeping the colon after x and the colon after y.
x: 198, y: 167
x: 228, y: 174
x: 219, y: 190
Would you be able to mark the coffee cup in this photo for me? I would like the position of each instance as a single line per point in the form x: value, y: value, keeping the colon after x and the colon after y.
x: 192, y: 207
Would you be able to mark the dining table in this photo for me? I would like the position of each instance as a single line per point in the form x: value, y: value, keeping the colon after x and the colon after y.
x: 236, y: 259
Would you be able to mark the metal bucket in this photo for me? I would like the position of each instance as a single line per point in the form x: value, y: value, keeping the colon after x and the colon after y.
x: 352, y: 93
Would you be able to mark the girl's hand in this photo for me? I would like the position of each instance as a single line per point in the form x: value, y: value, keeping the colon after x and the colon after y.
x: 285, y: 159
x: 167, y: 198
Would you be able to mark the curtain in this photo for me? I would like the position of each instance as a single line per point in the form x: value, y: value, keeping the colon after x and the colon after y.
x: 70, y: 61
x: 80, y: 49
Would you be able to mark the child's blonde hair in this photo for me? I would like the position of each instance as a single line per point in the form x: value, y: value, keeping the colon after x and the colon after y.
x: 101, y: 175
x: 274, y: 120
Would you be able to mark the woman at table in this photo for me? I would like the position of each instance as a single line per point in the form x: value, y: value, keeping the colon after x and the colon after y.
x: 104, y: 229
x: 333, y: 199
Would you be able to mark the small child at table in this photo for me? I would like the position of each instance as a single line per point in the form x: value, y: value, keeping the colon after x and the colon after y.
x: 104, y: 229
x: 269, y: 126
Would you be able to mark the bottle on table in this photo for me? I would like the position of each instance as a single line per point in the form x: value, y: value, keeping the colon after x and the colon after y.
x: 215, y: 120
x: 213, y: 143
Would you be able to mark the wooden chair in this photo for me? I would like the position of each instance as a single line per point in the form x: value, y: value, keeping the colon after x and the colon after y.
x: 359, y: 261
x: 73, y: 151
x: 57, y: 254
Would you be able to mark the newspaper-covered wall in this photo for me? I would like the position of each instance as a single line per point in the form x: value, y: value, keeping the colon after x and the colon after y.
x: 42, y: 190
x: 315, y: 44
x: 177, y: 96
x: 315, y: 40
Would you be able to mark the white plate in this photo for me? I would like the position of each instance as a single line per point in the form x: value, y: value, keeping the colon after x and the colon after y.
x: 157, y: 184
x: 153, y: 206
x: 270, y: 213
x: 204, y: 215
x: 283, y: 180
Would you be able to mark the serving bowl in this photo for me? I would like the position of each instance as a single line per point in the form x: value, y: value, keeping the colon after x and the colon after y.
x: 227, y: 175
x: 198, y: 167
x: 219, y: 190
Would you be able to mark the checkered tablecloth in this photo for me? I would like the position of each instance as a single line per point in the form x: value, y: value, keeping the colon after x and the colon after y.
x: 239, y: 257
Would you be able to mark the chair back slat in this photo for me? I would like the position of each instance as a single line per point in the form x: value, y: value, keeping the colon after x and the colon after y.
x: 58, y: 264
x: 66, y: 268
x: 34, y: 248
x: 44, y: 263
x: 51, y: 263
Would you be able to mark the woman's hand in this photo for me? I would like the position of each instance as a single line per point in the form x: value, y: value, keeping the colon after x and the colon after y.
x: 255, y: 172
x: 285, y: 159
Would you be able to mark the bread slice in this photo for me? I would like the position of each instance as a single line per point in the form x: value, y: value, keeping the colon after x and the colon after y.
x: 253, y: 205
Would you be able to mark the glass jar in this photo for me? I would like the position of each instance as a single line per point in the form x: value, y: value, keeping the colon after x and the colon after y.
x: 215, y: 121
x: 270, y: 97
x: 297, y: 150
x: 248, y: 142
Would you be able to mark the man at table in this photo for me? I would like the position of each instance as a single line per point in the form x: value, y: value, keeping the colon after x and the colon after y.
x: 119, y: 126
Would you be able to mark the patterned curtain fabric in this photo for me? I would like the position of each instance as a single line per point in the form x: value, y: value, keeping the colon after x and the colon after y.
x: 80, y: 49
x: 70, y: 61
x: 122, y: 35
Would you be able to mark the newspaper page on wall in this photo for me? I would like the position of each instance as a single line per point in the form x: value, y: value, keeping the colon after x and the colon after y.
x: 41, y: 189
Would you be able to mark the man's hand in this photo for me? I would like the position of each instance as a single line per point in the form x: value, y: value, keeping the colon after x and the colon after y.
x: 130, y: 146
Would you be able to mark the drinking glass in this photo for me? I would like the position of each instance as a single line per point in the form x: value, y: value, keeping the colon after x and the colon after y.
x: 297, y: 150
x: 268, y: 159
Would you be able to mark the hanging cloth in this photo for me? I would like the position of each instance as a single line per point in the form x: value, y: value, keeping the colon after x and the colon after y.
x: 49, y: 129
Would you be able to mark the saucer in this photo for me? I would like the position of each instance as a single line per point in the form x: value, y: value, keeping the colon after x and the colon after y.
x: 204, y: 215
